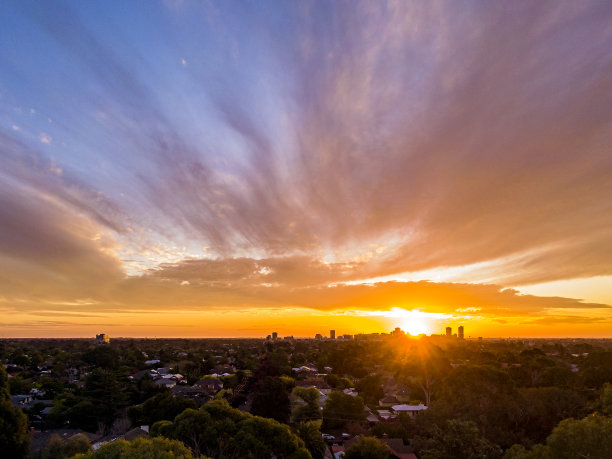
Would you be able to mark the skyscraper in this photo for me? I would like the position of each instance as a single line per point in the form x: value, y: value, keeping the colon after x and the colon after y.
x: 332, y: 334
x: 274, y: 335
x: 449, y: 331
x: 460, y: 332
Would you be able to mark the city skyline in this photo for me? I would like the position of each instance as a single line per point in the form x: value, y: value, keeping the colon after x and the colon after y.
x: 225, y: 169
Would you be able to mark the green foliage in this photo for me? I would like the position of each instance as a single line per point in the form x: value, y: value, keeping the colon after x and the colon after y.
x: 218, y: 430
x: 340, y: 409
x: 18, y: 386
x: 140, y: 448
x: 390, y: 430
x: 485, y: 396
x: 310, y: 434
x: 598, y: 369
x: 520, y: 452
x: 162, y: 429
x: 311, y: 410
x: 337, y: 382
x: 605, y: 400
x: 105, y: 357
x: 458, y: 439
x: 51, y: 386
x: 272, y: 400
x: 14, y: 436
x: 107, y: 391
x: 370, y: 388
x: 58, y: 448
x: 589, y: 437
x: 367, y: 448
x: 426, y: 366
x: 545, y: 407
x: 162, y: 406
x: 4, y: 386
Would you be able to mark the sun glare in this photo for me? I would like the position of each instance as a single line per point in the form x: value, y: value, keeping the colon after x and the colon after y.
x: 415, y: 327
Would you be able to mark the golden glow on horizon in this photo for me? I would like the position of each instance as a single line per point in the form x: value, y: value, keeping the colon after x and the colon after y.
x: 297, y: 322
x: 415, y: 327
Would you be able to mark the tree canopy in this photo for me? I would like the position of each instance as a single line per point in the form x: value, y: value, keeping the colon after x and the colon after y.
x: 218, y: 430
x: 367, y: 448
x: 140, y: 448
x: 14, y: 437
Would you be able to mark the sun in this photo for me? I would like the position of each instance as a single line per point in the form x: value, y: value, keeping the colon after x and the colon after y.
x: 415, y: 326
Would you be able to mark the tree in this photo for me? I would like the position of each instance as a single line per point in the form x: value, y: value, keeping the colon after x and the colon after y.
x: 367, y: 448
x: 605, y: 400
x: 272, y: 400
x: 58, y: 448
x: 311, y: 410
x: 425, y: 368
x: 341, y: 408
x: 140, y: 448
x: 458, y: 439
x: 370, y: 388
x: 162, y: 406
x: 219, y: 430
x: 545, y: 407
x: 310, y: 434
x: 590, y: 437
x: 14, y: 437
x: 485, y: 396
x: 520, y: 452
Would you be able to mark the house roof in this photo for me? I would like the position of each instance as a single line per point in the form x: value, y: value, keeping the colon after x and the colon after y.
x: 135, y: 433
x: 398, y: 448
x: 404, y: 407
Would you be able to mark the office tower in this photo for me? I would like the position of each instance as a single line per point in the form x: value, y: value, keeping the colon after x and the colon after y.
x: 332, y: 334
x: 449, y: 331
x: 460, y: 332
x: 274, y: 335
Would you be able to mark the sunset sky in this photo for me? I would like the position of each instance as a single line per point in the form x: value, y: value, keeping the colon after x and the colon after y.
x: 187, y: 168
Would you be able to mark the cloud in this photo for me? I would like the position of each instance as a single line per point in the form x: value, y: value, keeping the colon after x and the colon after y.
x: 318, y: 147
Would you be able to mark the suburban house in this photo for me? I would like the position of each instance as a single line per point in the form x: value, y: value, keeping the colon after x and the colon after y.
x: 209, y: 385
x: 388, y: 401
x: 411, y: 410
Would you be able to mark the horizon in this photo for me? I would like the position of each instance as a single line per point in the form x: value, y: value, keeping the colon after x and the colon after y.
x: 231, y: 169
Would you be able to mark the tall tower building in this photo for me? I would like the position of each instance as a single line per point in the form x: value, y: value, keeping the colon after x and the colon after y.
x: 449, y: 331
x: 274, y: 335
x: 332, y: 334
x: 460, y: 332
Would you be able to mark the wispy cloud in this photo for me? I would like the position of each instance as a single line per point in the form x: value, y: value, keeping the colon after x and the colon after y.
x: 310, y: 151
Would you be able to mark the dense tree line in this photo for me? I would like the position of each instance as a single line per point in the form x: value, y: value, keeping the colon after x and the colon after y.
x: 485, y: 399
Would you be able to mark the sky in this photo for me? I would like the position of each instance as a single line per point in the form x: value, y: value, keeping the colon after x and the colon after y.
x: 200, y: 168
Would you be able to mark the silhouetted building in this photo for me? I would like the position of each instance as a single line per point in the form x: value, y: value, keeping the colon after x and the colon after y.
x: 102, y: 338
x: 332, y: 334
x: 460, y: 332
x: 449, y: 331
x: 274, y: 335
x: 318, y: 336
